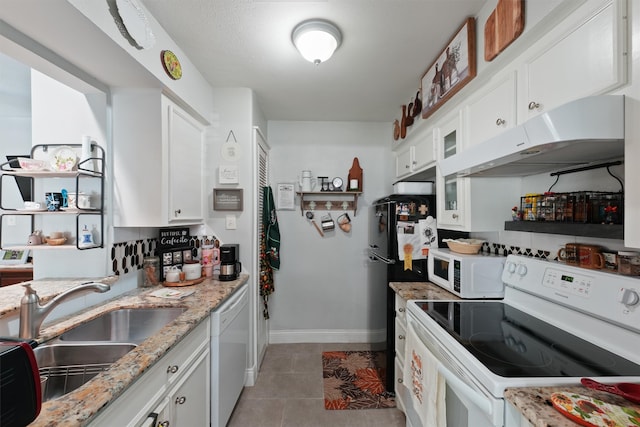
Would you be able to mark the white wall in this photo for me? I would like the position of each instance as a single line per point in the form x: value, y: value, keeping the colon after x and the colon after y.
x: 321, y: 289
x: 61, y: 115
x: 15, y: 128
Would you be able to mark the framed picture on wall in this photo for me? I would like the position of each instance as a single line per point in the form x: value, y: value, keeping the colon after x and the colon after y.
x: 227, y: 199
x: 454, y: 67
x: 9, y: 257
x: 286, y: 196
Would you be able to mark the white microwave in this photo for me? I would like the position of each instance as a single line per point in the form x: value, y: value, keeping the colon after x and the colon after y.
x: 467, y: 276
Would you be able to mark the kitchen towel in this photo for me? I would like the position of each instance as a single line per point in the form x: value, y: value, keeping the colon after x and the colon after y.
x: 426, y: 385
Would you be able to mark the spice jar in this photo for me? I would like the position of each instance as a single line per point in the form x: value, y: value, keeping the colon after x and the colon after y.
x: 151, y: 267
x: 629, y: 263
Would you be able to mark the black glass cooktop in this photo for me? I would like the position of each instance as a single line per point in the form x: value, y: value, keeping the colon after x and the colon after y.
x: 512, y: 343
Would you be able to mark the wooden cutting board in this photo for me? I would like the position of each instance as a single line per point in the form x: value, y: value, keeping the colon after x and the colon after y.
x: 504, y: 25
x: 591, y: 412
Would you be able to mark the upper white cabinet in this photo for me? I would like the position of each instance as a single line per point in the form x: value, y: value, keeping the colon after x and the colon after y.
x: 158, y: 159
x: 492, y: 110
x: 450, y: 190
x: 587, y: 59
x: 183, y: 137
x: 417, y: 153
x: 404, y: 160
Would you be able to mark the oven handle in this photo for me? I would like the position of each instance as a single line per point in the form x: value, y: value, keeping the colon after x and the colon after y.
x: 461, y: 387
x: 477, y: 398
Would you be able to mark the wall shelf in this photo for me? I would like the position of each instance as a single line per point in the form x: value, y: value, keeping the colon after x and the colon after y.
x: 84, y: 173
x: 329, y: 200
x: 602, y: 231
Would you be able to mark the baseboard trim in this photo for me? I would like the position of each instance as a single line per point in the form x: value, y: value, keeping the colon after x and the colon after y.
x: 327, y: 336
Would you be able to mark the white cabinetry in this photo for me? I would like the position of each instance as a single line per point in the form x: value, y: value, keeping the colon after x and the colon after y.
x: 492, y: 111
x: 158, y: 155
x: 587, y: 59
x: 404, y: 158
x: 400, y: 339
x: 450, y: 190
x: 182, y: 136
x: 174, y: 390
x: 470, y: 204
x: 417, y: 152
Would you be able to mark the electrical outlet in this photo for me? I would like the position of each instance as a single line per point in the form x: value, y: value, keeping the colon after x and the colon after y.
x: 230, y: 222
x: 11, y: 220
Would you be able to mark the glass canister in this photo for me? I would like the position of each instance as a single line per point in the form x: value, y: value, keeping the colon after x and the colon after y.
x: 151, y: 268
x: 629, y: 263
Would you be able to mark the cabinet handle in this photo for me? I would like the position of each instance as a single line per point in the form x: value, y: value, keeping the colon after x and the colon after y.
x: 407, y: 166
x: 400, y: 337
x: 180, y: 400
x: 401, y: 309
x: 500, y: 122
x: 177, y: 212
x: 400, y: 380
x: 454, y: 216
x: 534, y: 105
x: 172, y: 369
x: 163, y: 424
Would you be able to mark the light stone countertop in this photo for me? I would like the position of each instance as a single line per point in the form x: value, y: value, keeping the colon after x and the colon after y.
x: 78, y: 407
x: 535, y: 403
x: 532, y: 402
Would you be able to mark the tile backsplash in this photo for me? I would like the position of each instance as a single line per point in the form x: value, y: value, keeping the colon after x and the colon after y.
x: 127, y: 257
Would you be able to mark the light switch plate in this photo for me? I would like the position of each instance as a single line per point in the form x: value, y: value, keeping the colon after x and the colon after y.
x: 230, y: 222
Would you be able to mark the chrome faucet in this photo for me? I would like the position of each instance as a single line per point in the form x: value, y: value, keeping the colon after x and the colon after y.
x: 32, y: 314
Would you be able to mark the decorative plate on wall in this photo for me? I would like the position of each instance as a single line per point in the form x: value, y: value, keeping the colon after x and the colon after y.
x: 171, y: 64
x: 136, y: 23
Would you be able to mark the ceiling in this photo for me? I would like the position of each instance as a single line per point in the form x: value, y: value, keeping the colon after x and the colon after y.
x: 387, y: 46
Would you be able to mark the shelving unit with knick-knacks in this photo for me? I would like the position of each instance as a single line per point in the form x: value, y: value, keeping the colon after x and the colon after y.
x: 329, y: 201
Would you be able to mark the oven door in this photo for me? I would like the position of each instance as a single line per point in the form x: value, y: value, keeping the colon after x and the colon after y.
x: 467, y: 403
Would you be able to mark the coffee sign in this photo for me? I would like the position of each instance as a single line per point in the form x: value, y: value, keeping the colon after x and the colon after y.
x: 172, y: 237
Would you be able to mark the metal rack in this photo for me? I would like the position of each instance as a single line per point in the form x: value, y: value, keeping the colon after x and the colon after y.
x: 83, y: 173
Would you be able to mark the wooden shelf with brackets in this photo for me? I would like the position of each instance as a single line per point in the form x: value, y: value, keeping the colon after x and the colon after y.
x: 329, y: 201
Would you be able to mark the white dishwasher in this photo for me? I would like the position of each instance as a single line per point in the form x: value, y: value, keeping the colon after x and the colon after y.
x: 229, y: 346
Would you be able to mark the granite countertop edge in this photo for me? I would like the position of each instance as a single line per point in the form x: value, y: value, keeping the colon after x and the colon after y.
x: 534, y: 403
x: 80, y: 406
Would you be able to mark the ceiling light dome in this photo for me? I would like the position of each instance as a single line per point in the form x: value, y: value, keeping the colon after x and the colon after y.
x: 316, y: 39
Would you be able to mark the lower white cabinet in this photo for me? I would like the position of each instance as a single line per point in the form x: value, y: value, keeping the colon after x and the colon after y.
x: 174, y: 391
x: 400, y: 339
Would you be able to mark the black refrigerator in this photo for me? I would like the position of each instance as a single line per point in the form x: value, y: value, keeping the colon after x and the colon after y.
x: 400, y: 231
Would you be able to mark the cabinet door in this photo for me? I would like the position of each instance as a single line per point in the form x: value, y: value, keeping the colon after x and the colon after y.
x: 191, y: 397
x: 424, y: 153
x: 404, y: 161
x: 185, y: 183
x: 492, y: 112
x: 587, y: 61
x: 449, y: 189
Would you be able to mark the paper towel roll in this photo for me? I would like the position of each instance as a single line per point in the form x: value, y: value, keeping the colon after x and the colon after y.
x: 86, y: 153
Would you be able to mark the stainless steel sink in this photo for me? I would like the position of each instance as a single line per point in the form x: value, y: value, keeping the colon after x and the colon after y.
x: 65, y: 367
x: 131, y: 325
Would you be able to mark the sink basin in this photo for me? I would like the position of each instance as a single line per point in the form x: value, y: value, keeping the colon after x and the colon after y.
x: 130, y: 325
x: 65, y: 367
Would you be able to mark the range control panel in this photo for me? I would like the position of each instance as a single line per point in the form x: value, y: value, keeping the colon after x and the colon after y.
x: 607, y: 295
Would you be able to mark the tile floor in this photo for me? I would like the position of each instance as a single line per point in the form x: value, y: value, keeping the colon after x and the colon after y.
x: 288, y: 393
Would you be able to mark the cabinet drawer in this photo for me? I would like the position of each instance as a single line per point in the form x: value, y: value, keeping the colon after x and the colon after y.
x: 401, y: 310
x: 400, y: 339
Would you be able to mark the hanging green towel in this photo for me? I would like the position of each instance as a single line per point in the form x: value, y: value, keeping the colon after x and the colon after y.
x: 272, y: 231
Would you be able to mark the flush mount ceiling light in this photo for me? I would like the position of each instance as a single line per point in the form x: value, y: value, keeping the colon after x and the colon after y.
x: 316, y: 39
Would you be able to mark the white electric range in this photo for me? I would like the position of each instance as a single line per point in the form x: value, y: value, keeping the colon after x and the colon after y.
x: 555, y: 325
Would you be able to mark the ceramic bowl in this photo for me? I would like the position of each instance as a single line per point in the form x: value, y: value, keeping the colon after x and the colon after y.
x: 29, y: 164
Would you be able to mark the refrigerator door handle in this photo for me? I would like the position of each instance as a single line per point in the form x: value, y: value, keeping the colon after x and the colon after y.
x: 387, y: 261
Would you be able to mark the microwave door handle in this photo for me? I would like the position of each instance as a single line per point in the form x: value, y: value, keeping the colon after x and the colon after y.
x: 463, y: 388
x: 381, y: 258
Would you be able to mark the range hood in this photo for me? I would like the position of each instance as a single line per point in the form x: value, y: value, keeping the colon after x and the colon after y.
x: 578, y: 133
